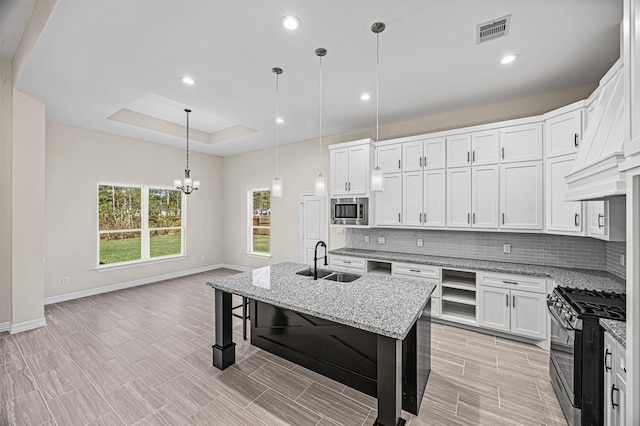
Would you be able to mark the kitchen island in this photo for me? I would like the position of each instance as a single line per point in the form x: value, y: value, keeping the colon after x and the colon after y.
x: 372, y: 334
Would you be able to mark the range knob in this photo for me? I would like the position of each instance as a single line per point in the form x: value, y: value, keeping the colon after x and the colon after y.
x: 558, y: 304
x: 569, y: 317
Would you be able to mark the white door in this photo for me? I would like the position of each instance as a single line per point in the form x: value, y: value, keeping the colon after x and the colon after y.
x: 484, y: 199
x: 484, y: 147
x: 494, y: 308
x: 412, y: 199
x: 389, y: 158
x: 435, y: 197
x: 339, y: 175
x: 459, y: 197
x: 412, y: 156
x: 313, y: 225
x: 389, y: 201
x: 562, y: 216
x: 521, y: 195
x: 434, y: 154
x: 563, y: 133
x: 528, y: 314
x: 521, y: 143
x: 358, y: 170
x: 459, y: 150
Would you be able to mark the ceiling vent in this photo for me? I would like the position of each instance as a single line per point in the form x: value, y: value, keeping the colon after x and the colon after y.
x: 493, y: 29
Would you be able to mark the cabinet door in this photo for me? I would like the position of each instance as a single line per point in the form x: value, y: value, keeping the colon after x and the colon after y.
x: 484, y: 197
x: 521, y: 195
x: 563, y: 133
x: 494, y: 308
x: 484, y: 147
x: 358, y: 170
x: 434, y: 154
x: 521, y: 143
x: 621, y: 409
x: 434, y: 197
x: 609, y: 378
x: 459, y: 150
x: 389, y: 202
x: 412, y: 156
x: 528, y: 314
x: 412, y: 198
x: 389, y: 158
x: 562, y: 216
x: 339, y: 175
x: 459, y: 197
x: 596, y: 218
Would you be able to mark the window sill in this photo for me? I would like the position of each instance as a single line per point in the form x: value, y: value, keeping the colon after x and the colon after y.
x: 133, y: 264
x: 259, y: 255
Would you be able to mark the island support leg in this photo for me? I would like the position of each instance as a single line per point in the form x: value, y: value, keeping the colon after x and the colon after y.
x: 389, y: 382
x: 224, y: 351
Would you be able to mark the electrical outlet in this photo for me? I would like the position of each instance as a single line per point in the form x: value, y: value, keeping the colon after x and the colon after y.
x: 506, y: 248
x: 65, y: 280
x: 366, y: 239
x: 382, y: 240
x: 622, y: 260
x: 420, y: 243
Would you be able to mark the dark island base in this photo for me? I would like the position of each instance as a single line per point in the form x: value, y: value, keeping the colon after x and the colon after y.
x: 348, y: 355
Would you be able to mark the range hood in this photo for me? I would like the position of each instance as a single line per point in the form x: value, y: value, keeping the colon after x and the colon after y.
x: 595, y: 175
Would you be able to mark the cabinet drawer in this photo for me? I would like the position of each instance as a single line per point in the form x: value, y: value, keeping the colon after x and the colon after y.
x: 417, y: 271
x: 348, y: 262
x: 516, y: 282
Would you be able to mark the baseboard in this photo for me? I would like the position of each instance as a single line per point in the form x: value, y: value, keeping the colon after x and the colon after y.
x: 106, y: 289
x: 5, y: 326
x: 27, y: 325
x: 236, y: 267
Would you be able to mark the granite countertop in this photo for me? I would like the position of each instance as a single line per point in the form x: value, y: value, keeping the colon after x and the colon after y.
x: 377, y: 303
x: 577, y: 278
x: 618, y: 329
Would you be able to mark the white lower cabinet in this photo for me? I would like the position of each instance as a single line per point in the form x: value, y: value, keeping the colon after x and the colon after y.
x: 615, y: 382
x: 355, y: 265
x: 494, y: 309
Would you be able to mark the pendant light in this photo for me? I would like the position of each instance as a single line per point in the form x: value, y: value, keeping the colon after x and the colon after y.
x: 320, y: 186
x: 276, y: 184
x: 377, y: 180
x: 187, y: 185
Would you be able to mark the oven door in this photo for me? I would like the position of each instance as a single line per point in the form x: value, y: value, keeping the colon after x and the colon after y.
x: 565, y: 360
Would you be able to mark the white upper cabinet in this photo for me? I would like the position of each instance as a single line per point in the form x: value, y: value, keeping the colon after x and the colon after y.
x: 389, y: 202
x: 563, y: 133
x: 359, y: 170
x: 423, y: 155
x: 459, y: 150
x: 521, y: 143
x: 349, y: 168
x: 484, y: 147
x: 390, y: 158
x: 459, y: 197
x: 434, y: 198
x: 485, y: 189
x: 564, y: 217
x: 606, y: 220
x: 434, y: 154
x: 521, y: 195
x: 412, y: 198
x: 412, y: 156
x: 339, y: 159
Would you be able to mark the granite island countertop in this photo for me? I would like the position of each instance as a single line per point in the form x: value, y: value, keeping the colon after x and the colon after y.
x: 377, y: 303
x: 577, y: 278
x: 618, y: 329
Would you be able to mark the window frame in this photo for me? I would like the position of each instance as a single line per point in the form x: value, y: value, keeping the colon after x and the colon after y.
x: 250, y: 227
x: 144, y: 230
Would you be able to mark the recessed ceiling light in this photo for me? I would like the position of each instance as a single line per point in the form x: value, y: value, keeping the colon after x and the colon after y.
x: 290, y: 22
x: 507, y: 59
x: 279, y: 120
x: 187, y: 80
x: 365, y: 97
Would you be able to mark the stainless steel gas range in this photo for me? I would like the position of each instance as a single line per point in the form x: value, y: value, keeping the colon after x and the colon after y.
x: 576, y: 361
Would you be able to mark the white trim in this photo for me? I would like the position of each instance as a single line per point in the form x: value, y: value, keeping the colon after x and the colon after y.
x: 259, y: 255
x: 27, y: 325
x: 5, y: 326
x: 134, y: 263
x: 236, y: 267
x: 106, y: 289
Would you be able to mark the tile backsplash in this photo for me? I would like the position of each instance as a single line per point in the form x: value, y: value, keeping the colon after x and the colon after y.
x: 538, y: 249
x: 614, y: 251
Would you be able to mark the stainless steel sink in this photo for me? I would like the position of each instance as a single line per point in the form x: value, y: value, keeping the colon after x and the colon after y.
x: 342, y: 277
x: 309, y: 273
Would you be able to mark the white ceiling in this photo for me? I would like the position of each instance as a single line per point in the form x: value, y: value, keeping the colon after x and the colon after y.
x: 95, y: 57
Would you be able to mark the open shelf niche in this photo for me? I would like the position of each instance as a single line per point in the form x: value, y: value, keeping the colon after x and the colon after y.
x: 459, y: 295
x: 378, y: 267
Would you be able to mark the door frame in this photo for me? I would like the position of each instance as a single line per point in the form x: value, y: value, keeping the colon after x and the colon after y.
x: 324, y: 227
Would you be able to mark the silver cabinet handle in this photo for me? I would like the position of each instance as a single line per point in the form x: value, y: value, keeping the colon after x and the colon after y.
x: 613, y: 388
x: 607, y: 354
x: 399, y: 218
x: 420, y: 161
x: 503, y: 152
x: 425, y: 161
x: 506, y: 298
x: 468, y: 218
x: 399, y: 167
x: 420, y: 217
x: 575, y: 139
x: 468, y: 154
x: 425, y: 218
x: 503, y: 218
x: 513, y: 301
x: 349, y: 186
x: 473, y: 159
x: 346, y: 261
x: 415, y: 270
x: 600, y: 225
x: 345, y: 186
x: 510, y: 282
x: 575, y: 219
x: 474, y: 218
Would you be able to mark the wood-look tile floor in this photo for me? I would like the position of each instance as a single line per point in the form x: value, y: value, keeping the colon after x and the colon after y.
x: 143, y: 356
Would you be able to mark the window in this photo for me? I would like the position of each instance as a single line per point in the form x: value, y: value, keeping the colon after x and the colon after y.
x: 138, y: 223
x: 259, y: 238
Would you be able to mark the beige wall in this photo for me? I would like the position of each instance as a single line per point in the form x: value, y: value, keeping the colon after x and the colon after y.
x: 299, y: 166
x: 5, y: 189
x: 76, y: 161
x: 27, y: 205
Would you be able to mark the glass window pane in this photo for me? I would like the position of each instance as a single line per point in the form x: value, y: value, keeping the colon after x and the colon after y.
x: 119, y: 207
x: 262, y: 204
x: 165, y: 243
x: 165, y: 208
x: 120, y: 247
x: 261, y: 240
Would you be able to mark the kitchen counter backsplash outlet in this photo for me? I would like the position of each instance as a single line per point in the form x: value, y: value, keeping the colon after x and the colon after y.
x: 382, y: 240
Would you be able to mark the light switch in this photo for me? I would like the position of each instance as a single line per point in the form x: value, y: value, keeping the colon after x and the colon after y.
x: 382, y: 240
x: 366, y: 238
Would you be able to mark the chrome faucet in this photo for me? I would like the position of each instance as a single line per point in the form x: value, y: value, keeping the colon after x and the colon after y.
x: 315, y: 258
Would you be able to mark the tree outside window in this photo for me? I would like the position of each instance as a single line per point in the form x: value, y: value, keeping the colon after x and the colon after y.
x: 260, y: 221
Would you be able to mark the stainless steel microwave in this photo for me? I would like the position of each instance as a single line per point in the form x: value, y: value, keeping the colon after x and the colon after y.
x: 350, y: 211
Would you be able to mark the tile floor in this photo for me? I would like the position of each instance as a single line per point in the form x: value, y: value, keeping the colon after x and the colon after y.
x: 143, y: 356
